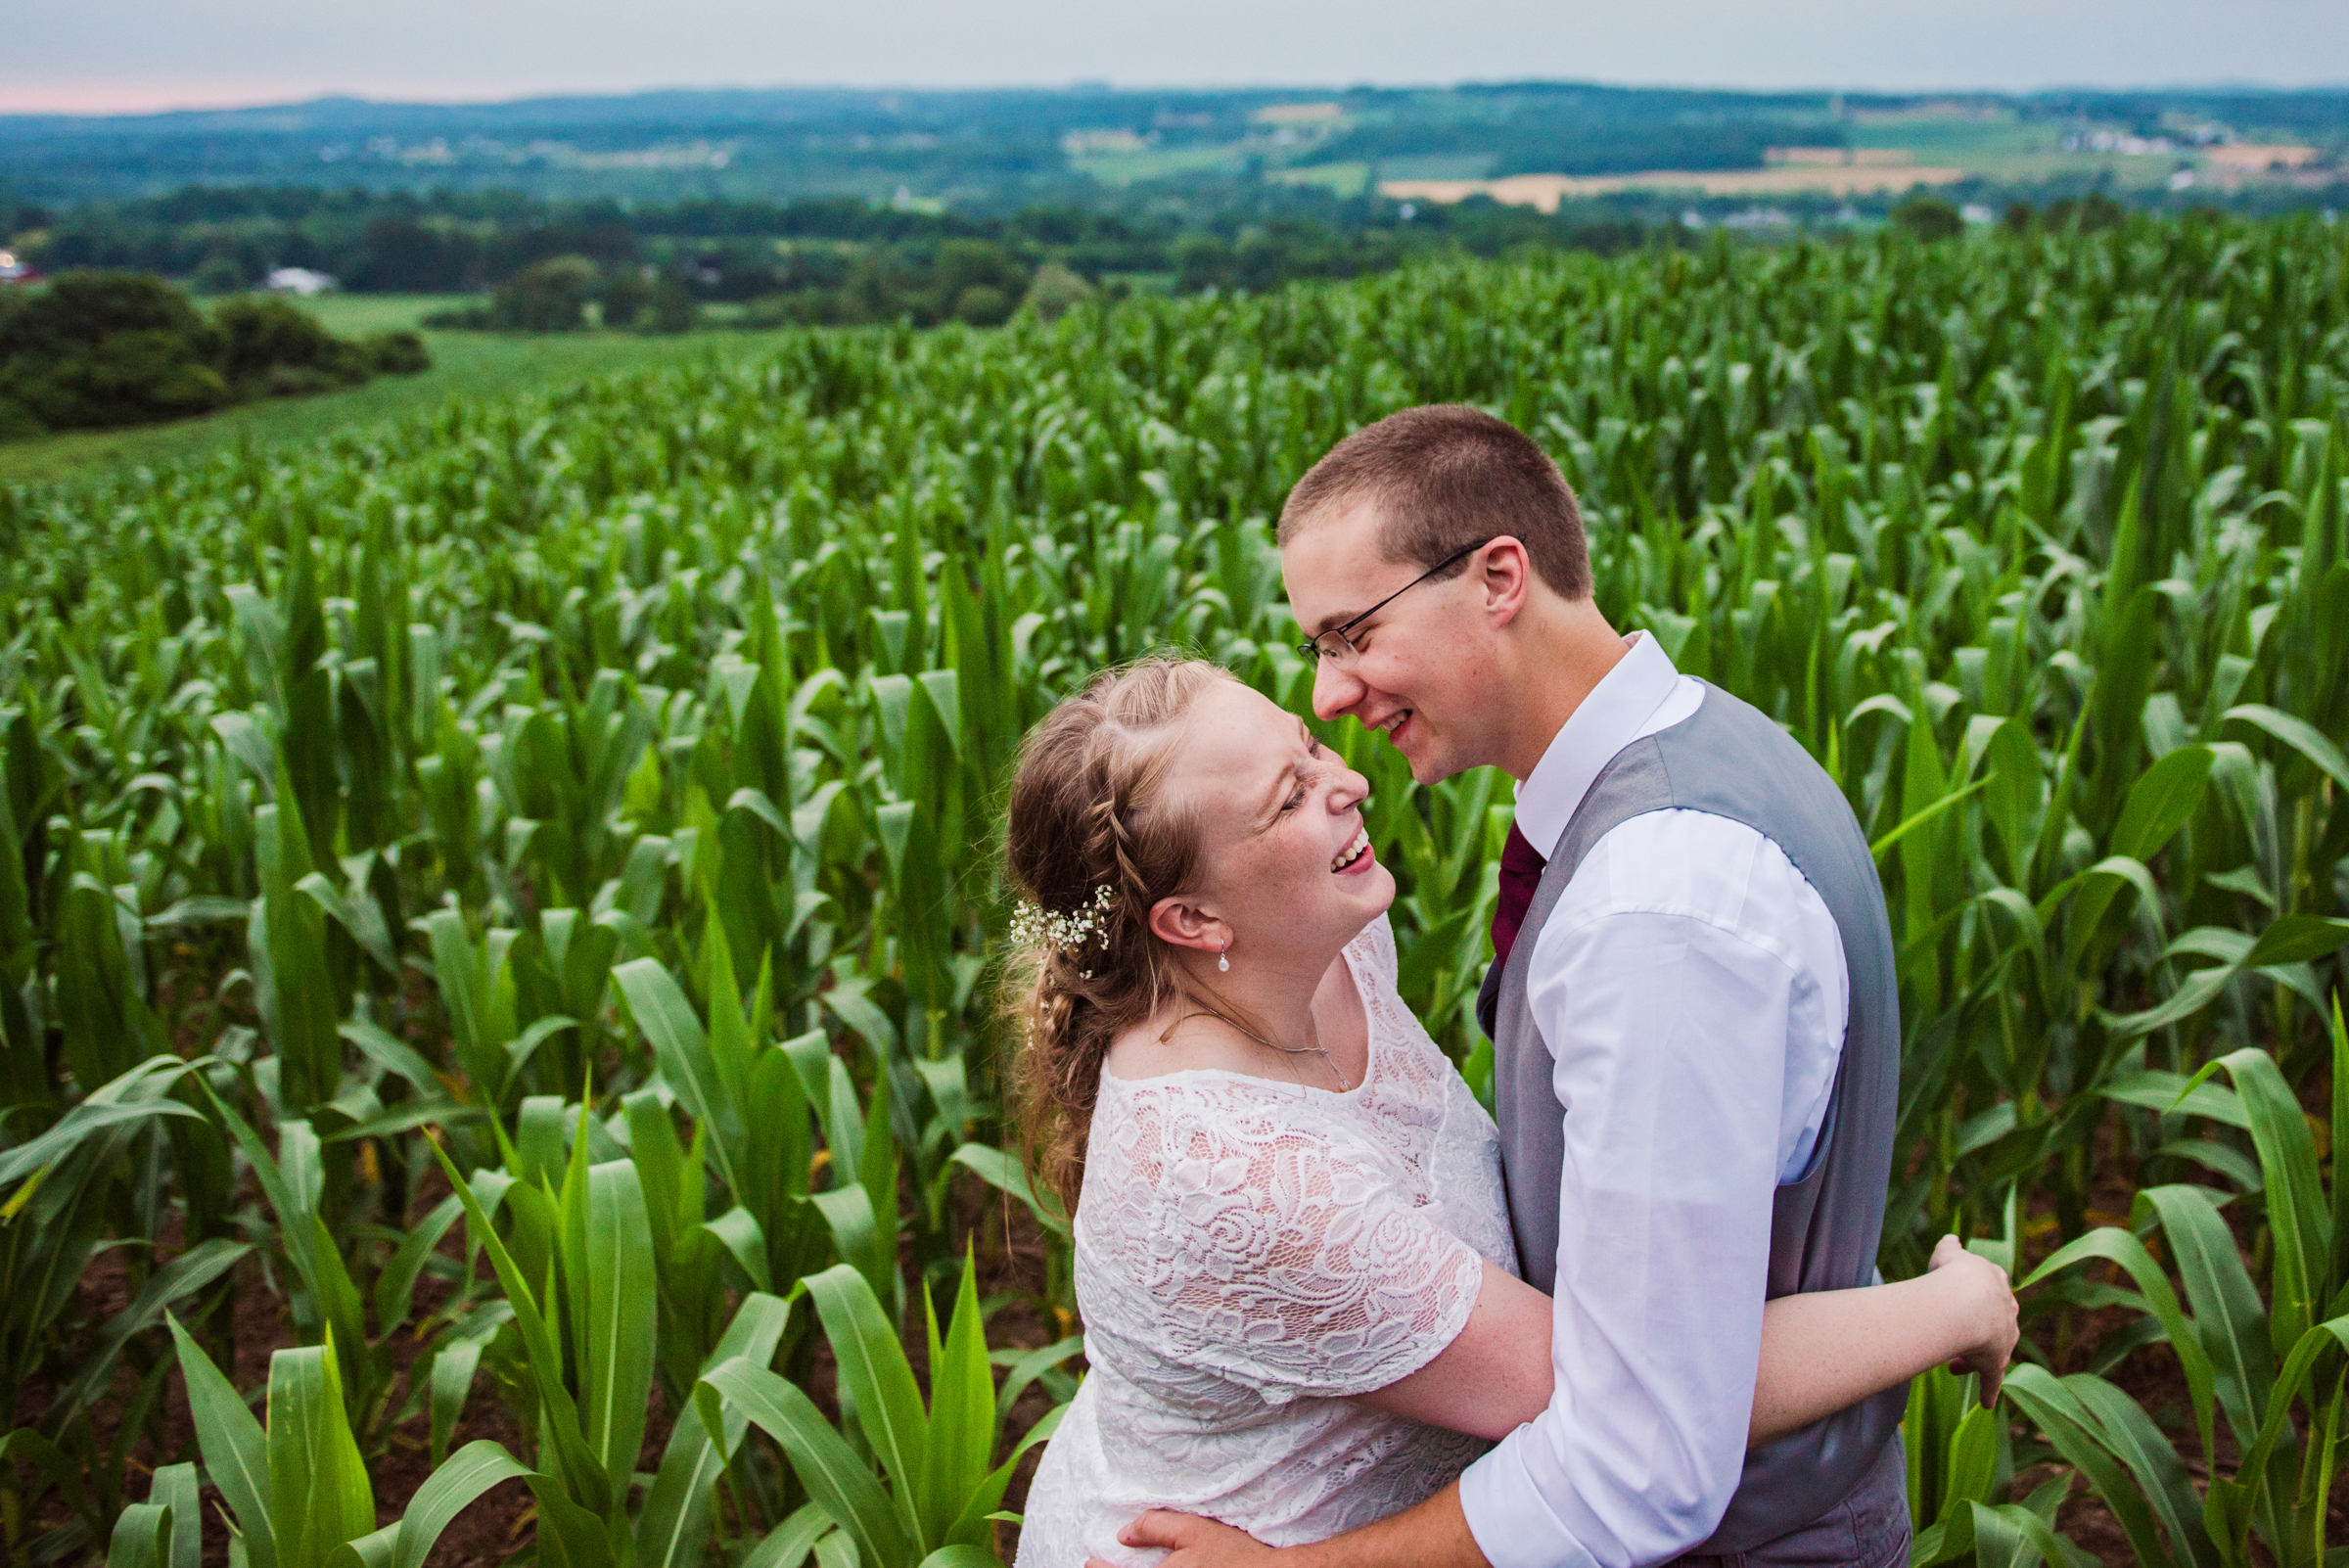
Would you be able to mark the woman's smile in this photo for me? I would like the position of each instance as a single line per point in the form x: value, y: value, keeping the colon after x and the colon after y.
x: 1357, y: 857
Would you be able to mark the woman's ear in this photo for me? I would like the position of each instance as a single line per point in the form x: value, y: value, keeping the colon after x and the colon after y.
x: 1180, y: 922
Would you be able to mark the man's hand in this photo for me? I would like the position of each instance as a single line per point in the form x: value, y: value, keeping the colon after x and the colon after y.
x: 1998, y: 1315
x: 1195, y: 1542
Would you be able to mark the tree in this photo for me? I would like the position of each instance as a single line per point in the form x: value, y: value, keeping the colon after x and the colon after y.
x: 1054, y: 289
x: 270, y: 348
x: 102, y: 348
x: 219, y: 274
x: 545, y: 297
x: 976, y: 281
x: 627, y: 294
x: 2083, y: 214
x: 671, y: 308
x: 1929, y: 218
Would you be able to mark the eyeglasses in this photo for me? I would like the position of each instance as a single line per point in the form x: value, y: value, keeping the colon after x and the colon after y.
x: 1338, y: 648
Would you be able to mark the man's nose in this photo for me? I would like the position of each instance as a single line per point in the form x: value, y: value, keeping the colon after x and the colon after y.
x: 1334, y: 690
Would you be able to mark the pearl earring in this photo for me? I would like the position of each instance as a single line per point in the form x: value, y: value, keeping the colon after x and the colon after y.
x: 1223, y: 960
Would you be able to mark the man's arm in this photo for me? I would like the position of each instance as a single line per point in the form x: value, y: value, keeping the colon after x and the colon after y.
x: 1433, y: 1535
x: 1668, y: 984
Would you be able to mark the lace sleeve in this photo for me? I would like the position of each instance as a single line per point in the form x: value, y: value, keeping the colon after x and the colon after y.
x: 1284, y: 1257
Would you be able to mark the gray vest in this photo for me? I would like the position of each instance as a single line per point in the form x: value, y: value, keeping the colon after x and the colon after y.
x: 1733, y: 760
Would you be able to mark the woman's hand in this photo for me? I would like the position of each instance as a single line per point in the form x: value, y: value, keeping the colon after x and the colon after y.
x: 1996, y: 1314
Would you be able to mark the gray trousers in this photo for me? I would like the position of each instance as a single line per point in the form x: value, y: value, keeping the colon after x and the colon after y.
x: 1867, y: 1529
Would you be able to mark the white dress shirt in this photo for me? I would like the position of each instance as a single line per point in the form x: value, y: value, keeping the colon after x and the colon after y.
x: 1690, y: 986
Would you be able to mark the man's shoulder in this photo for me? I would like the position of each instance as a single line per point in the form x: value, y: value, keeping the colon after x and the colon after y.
x: 1684, y: 861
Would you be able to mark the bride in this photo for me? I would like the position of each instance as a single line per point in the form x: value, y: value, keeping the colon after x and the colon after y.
x: 1292, y: 1251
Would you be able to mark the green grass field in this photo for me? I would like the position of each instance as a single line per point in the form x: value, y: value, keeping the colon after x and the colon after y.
x: 464, y: 365
x: 1125, y: 169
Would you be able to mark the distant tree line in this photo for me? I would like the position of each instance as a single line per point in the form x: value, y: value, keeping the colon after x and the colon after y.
x: 562, y: 265
x: 92, y: 349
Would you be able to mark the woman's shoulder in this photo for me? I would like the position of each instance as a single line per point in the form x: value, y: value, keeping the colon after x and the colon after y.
x: 1164, y: 1133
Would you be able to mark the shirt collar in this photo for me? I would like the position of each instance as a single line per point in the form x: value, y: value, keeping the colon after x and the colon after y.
x: 1610, y: 719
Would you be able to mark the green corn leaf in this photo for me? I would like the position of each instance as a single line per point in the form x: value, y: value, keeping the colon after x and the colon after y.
x: 2296, y: 938
x: 1000, y: 1170
x: 2300, y: 1219
x: 1026, y: 1366
x: 989, y: 1496
x: 674, y: 1519
x: 1925, y: 816
x: 2130, y: 1434
x: 2301, y: 735
x: 2055, y: 1408
x: 659, y: 1005
x: 236, y: 1453
x: 319, y: 1495
x: 878, y: 1382
x: 2174, y: 1093
x: 452, y: 1487
x: 621, y: 1291
x: 570, y: 1536
x: 40, y: 1153
x: 835, y: 1478
x: 581, y: 1471
x: 2231, y: 1500
x: 1999, y: 1536
x: 2161, y: 802
x: 961, y: 1435
x: 454, y: 1371
x: 2338, y: 1276
x: 183, y: 1276
x: 2118, y: 1246
x: 2230, y: 1321
x: 788, y: 1544
x: 361, y: 921
x: 396, y: 1286
x: 738, y: 1231
x: 176, y: 1489
x: 142, y: 1536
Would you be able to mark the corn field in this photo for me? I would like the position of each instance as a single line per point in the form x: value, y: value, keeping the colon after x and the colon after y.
x: 497, y: 913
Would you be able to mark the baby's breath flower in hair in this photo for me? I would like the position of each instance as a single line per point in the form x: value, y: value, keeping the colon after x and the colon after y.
x: 1045, y: 928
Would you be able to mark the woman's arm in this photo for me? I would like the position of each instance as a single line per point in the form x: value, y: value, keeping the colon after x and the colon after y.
x: 1820, y: 1352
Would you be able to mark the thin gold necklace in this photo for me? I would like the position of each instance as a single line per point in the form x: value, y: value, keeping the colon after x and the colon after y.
x: 1321, y: 1051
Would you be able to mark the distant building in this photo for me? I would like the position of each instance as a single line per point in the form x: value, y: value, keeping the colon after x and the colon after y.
x: 12, y: 270
x: 299, y: 280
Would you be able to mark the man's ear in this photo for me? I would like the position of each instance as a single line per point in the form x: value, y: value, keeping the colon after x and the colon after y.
x: 1507, y: 578
x: 1180, y: 922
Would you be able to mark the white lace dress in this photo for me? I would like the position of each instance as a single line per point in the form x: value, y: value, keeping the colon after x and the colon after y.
x: 1250, y: 1253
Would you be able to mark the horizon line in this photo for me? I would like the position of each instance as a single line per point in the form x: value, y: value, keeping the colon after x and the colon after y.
x: 101, y: 105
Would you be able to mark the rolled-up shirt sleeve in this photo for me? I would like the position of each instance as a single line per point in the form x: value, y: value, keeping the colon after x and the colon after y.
x: 1668, y: 1020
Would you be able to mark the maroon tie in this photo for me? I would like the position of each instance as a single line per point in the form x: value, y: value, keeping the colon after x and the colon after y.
x: 1520, y: 874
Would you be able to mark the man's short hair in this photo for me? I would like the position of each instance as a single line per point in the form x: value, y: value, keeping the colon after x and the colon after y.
x: 1444, y: 476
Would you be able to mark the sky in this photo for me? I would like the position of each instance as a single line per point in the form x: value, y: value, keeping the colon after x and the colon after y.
x: 119, y: 56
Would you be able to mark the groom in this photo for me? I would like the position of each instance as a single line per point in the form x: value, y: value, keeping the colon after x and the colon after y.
x: 1695, y: 1013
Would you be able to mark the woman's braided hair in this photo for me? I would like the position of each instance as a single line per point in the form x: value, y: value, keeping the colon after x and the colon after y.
x: 1090, y: 841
